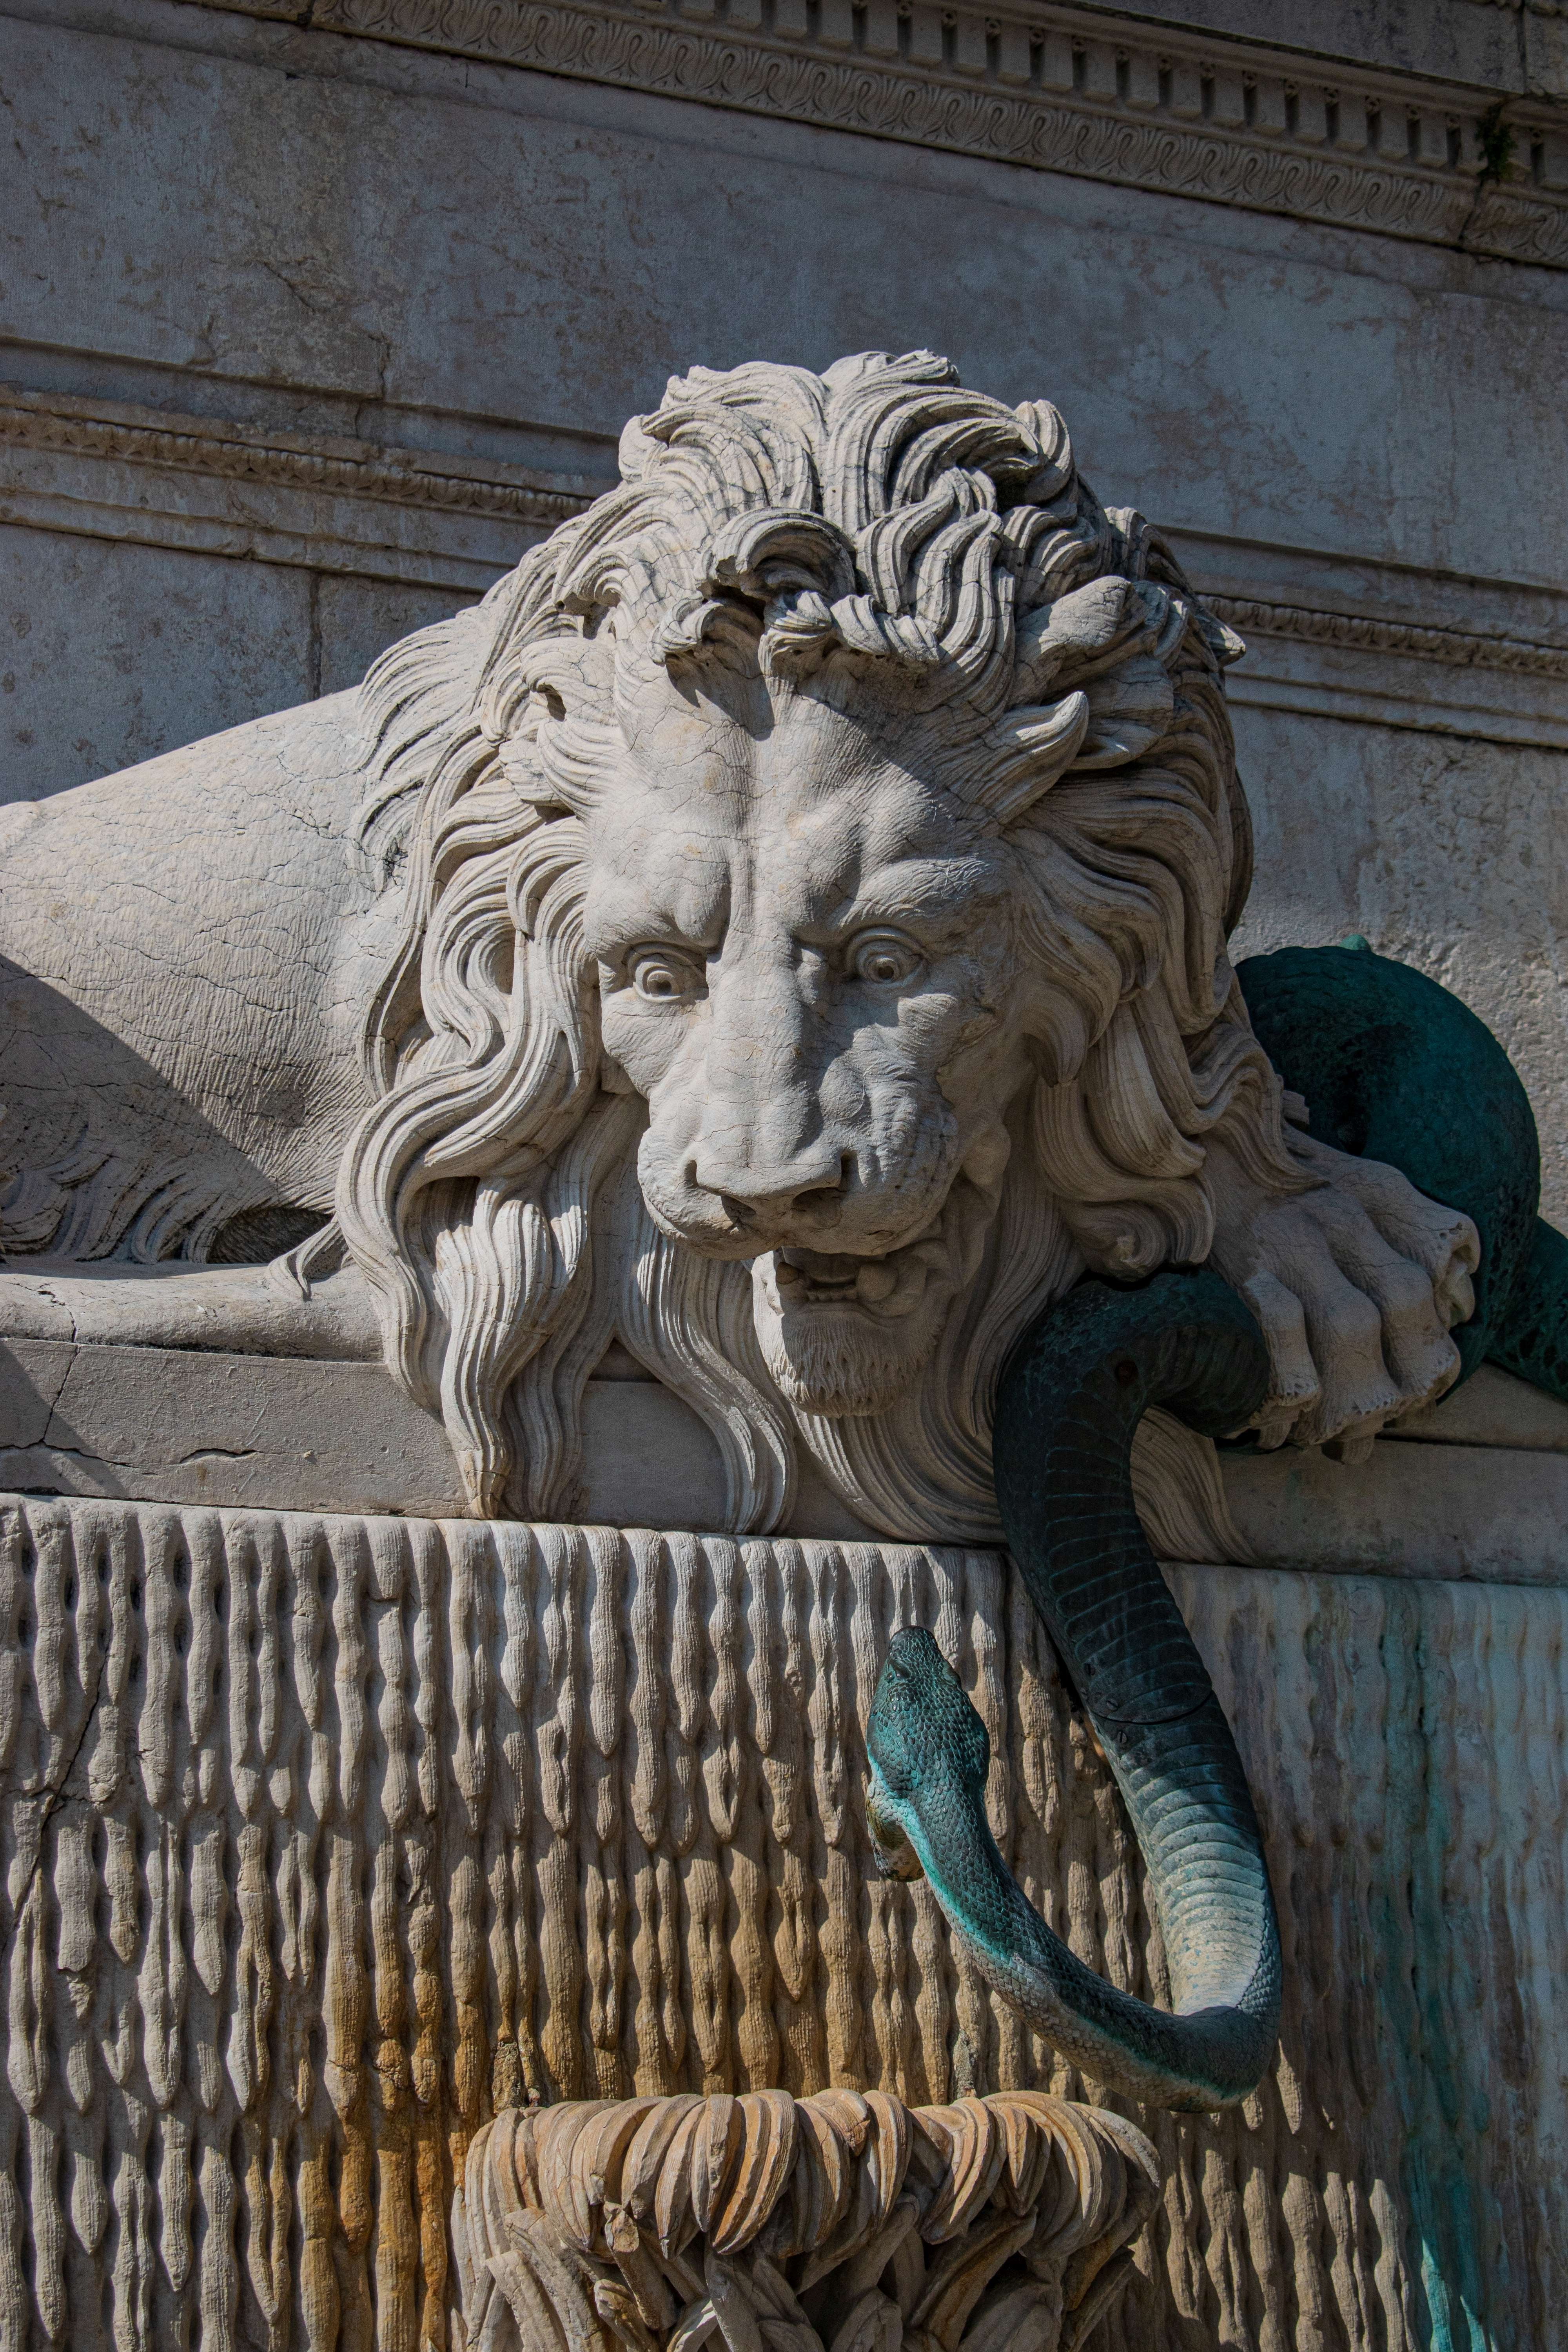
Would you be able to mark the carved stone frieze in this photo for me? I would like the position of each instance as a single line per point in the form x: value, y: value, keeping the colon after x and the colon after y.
x: 522, y: 1033
x: 1059, y: 89
x: 777, y: 941
x: 843, y: 2219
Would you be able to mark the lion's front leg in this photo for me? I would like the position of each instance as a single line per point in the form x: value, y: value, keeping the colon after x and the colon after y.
x: 1356, y: 1284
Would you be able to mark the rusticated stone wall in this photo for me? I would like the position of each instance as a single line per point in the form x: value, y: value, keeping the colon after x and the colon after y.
x: 324, y: 1838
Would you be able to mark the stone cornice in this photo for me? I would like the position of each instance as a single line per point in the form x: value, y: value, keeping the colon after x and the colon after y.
x: 1103, y: 98
x: 1460, y: 648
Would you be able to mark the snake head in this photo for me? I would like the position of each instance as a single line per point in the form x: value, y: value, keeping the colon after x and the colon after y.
x: 923, y: 1735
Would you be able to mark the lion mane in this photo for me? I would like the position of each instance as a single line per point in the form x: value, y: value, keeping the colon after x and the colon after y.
x: 879, y: 514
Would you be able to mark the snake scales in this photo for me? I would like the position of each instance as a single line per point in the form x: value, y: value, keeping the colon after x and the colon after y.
x: 1394, y: 1067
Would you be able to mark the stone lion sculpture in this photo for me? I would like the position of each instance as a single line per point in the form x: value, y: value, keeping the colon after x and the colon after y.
x: 781, y: 928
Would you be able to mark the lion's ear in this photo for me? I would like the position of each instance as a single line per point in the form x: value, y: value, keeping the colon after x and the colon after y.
x: 1024, y: 753
x: 1066, y: 644
x: 1109, y: 642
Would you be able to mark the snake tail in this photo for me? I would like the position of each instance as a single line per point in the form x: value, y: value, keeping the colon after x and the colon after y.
x: 1071, y: 1399
x: 1530, y: 1339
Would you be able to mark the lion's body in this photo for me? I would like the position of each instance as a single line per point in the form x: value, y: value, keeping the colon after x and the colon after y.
x: 187, y: 950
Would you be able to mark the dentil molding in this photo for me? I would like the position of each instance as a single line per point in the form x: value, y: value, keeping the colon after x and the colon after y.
x: 1058, y: 88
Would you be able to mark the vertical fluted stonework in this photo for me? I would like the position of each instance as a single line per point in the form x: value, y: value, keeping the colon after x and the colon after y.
x: 327, y: 1839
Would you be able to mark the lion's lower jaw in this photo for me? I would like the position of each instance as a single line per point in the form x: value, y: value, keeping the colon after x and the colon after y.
x: 843, y: 1361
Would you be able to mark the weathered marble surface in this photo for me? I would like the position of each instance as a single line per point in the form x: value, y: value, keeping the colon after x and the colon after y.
x: 1476, y: 1486
x: 323, y: 1837
x: 251, y: 276
x: 182, y: 644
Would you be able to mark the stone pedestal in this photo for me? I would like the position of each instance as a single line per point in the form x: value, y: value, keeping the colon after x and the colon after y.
x: 326, y: 1839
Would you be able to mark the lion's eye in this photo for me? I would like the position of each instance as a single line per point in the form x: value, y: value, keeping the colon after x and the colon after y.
x: 663, y: 977
x: 884, y: 959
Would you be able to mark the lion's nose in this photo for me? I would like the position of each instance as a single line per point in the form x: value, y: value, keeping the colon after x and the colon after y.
x: 812, y: 1182
x: 823, y: 1201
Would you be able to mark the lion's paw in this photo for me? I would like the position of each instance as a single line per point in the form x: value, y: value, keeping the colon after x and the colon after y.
x: 1356, y: 1285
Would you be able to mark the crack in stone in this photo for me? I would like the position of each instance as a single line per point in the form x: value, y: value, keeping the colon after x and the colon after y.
x: 55, y: 1795
x: 178, y: 1462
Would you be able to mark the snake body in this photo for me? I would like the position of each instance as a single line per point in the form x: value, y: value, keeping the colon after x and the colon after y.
x: 1393, y: 1065
x: 1395, y: 1068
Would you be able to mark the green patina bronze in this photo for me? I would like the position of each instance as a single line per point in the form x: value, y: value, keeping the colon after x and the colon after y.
x: 1394, y: 1068
x: 1391, y: 1066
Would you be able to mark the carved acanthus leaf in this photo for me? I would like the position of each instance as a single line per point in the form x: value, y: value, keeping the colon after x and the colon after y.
x: 842, y: 2222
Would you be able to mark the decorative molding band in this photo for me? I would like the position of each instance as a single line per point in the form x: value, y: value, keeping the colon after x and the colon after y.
x: 1460, y: 648
x: 408, y: 478
x: 1059, y: 89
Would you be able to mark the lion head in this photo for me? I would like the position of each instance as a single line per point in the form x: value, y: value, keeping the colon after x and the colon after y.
x: 819, y: 857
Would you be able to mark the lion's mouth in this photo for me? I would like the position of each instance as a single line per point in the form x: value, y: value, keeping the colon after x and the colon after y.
x: 893, y: 1286
x: 845, y: 1334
